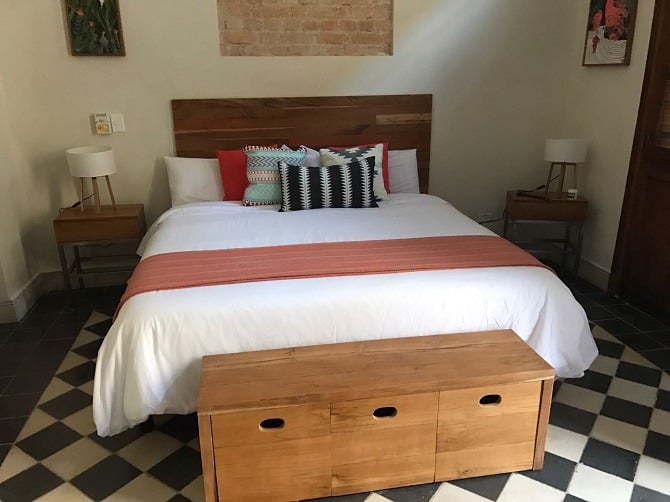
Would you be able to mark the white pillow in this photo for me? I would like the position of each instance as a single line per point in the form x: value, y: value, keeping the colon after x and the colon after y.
x: 312, y: 157
x: 193, y: 180
x: 403, y: 171
x: 342, y: 156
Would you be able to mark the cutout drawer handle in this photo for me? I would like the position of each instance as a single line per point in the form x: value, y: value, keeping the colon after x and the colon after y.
x: 272, y: 423
x: 385, y: 412
x: 491, y: 400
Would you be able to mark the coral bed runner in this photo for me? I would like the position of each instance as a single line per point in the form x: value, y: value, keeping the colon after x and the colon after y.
x: 329, y: 259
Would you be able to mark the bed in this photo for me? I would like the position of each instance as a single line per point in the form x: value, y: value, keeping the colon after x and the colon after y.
x: 149, y: 361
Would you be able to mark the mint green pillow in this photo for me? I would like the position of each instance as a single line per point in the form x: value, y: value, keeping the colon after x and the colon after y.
x: 263, y: 173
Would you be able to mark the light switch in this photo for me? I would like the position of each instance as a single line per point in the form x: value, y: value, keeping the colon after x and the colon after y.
x: 118, y: 122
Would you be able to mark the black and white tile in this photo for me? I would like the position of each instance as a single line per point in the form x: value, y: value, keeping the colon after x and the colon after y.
x: 608, y: 438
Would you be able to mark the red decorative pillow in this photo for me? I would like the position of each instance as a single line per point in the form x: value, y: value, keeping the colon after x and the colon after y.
x: 385, y: 168
x: 233, y: 167
x: 385, y: 162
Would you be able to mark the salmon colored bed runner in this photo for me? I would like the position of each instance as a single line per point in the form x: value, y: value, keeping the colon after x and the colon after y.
x: 330, y: 259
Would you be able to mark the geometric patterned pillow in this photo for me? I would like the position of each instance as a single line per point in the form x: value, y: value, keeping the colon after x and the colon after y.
x: 349, y: 185
x: 335, y: 156
x: 263, y: 173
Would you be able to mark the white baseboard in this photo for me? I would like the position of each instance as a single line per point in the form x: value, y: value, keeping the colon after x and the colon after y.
x: 594, y: 273
x: 7, y: 312
x: 14, y: 310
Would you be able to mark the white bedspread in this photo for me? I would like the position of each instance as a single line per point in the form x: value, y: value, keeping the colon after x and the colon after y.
x: 150, y: 360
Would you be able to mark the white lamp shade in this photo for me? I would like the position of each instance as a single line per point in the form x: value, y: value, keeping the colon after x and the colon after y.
x: 91, y: 161
x: 570, y: 151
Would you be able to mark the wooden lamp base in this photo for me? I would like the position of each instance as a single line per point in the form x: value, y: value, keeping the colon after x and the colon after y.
x: 561, y: 176
x: 96, y: 193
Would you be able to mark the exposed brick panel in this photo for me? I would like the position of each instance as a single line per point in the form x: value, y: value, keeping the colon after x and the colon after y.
x: 306, y: 27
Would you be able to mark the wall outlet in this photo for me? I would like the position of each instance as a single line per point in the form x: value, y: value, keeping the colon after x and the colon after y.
x: 118, y: 122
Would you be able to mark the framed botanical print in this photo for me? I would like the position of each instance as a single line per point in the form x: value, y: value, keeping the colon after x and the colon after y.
x: 94, y: 28
x: 609, y: 32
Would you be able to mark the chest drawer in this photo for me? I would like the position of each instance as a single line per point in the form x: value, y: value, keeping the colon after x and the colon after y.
x: 273, y: 454
x: 487, y: 430
x: 383, y: 442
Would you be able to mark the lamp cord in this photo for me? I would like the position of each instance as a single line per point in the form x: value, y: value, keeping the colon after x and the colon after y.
x: 540, y: 187
x: 490, y: 221
x: 76, y: 204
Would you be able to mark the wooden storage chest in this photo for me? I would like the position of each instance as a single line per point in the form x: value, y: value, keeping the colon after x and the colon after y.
x: 308, y: 422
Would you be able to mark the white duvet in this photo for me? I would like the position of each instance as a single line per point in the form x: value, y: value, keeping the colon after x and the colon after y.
x: 150, y: 360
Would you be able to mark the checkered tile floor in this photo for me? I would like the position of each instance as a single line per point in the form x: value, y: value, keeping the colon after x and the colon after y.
x: 608, y: 439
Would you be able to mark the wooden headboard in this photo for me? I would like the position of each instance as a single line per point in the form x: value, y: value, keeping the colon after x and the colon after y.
x: 202, y: 126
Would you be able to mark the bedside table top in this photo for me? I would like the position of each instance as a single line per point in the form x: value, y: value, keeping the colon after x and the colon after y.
x: 106, y: 213
x: 552, y: 197
x: 557, y: 207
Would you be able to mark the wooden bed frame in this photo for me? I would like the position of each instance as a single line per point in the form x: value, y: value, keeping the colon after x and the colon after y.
x: 202, y: 126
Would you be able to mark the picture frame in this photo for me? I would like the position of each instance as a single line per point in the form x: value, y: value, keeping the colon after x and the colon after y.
x: 94, y: 28
x: 609, y: 32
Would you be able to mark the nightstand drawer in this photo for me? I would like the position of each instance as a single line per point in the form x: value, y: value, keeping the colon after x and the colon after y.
x: 556, y: 208
x: 112, y: 223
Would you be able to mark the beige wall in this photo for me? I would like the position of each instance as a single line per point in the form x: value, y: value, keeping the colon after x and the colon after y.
x: 14, y: 274
x: 501, y: 72
x: 601, y: 104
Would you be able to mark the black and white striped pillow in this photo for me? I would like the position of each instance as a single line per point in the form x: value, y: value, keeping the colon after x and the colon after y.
x: 349, y: 185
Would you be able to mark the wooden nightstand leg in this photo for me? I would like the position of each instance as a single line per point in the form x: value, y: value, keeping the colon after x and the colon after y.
x: 566, y: 246
x: 505, y: 223
x: 77, y: 264
x: 63, y: 266
x: 81, y: 201
x: 578, y: 248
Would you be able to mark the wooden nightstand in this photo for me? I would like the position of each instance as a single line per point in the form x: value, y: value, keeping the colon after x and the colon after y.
x: 75, y: 228
x: 556, y: 209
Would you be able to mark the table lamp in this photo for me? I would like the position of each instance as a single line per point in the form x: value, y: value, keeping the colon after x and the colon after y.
x: 563, y: 153
x: 92, y: 162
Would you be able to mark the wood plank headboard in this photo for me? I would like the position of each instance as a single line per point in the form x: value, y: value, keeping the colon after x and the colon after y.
x: 202, y: 126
